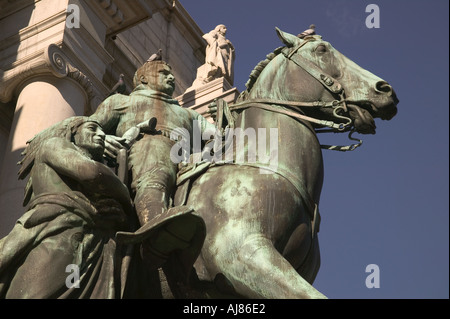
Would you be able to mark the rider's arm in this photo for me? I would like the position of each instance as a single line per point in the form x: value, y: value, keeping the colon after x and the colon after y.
x: 108, y: 115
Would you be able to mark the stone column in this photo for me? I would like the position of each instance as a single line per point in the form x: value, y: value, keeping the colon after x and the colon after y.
x: 49, y: 91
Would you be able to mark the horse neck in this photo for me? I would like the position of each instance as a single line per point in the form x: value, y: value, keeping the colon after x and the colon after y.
x: 290, y: 148
x: 271, y: 82
x: 279, y: 80
x: 293, y: 140
x: 297, y: 144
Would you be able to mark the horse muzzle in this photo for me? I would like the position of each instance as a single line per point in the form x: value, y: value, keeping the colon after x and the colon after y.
x: 379, y: 102
x: 385, y: 101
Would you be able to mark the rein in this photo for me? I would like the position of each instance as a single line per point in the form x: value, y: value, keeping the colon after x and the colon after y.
x: 264, y: 104
x: 328, y: 82
x: 267, y: 104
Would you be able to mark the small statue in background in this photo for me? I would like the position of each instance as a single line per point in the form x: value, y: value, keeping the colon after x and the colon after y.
x: 219, y: 59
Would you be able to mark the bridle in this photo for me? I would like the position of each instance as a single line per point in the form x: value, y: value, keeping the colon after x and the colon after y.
x: 330, y: 83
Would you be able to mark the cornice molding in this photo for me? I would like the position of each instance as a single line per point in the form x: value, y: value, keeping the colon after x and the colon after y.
x: 119, y: 15
x: 178, y: 15
x: 17, y: 47
x: 8, y: 7
x: 52, y: 61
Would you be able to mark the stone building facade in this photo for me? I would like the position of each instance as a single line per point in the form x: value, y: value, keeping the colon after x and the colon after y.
x: 59, y: 58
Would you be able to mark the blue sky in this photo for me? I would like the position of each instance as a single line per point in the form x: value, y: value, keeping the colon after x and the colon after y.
x: 386, y: 203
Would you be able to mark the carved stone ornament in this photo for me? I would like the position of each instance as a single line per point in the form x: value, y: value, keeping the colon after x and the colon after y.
x: 51, y: 61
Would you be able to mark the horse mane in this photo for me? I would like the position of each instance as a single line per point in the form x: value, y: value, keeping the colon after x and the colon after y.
x: 255, y: 73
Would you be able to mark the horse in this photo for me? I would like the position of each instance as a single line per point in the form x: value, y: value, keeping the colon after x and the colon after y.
x: 262, y: 220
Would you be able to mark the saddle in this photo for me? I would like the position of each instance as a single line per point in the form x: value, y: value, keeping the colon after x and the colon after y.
x: 187, y: 173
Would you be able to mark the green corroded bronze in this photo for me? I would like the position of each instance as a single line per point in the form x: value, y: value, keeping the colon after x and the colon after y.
x: 152, y: 170
x: 262, y: 239
x: 241, y: 221
x: 76, y: 204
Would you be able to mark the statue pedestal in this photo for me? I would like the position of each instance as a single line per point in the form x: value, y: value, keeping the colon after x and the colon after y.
x: 199, y: 98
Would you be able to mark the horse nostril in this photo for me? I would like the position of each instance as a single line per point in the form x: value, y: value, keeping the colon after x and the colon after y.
x: 383, y: 87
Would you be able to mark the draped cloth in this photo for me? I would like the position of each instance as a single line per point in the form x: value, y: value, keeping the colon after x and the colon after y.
x: 220, y: 54
x: 59, y: 230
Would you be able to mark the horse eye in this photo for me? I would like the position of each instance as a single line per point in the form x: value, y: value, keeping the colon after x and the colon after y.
x: 321, y: 48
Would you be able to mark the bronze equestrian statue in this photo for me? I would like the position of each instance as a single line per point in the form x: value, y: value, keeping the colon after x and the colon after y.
x: 262, y: 239
x: 249, y: 208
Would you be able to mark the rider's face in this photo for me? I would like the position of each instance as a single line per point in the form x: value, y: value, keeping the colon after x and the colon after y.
x: 162, y: 80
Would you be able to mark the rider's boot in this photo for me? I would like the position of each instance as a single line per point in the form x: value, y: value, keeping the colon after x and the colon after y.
x: 163, y: 230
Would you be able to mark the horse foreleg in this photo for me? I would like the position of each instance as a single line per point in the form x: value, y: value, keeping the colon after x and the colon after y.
x: 259, y: 271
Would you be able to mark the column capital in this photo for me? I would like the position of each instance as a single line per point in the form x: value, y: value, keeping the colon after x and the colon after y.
x: 50, y: 61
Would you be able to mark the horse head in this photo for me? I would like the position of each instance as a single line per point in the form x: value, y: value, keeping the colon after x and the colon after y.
x: 312, y: 71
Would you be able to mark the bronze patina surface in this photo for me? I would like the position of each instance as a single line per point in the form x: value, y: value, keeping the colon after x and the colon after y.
x: 240, y: 221
x: 262, y: 239
x: 76, y: 204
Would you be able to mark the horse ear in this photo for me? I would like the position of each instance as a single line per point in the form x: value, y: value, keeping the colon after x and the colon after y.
x: 288, y: 39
